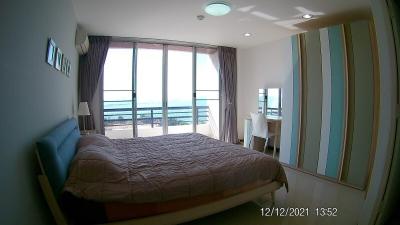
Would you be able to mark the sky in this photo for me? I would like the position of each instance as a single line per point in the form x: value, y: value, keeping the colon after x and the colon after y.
x: 118, y: 76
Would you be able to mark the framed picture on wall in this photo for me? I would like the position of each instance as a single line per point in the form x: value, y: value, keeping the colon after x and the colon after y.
x: 59, y: 58
x: 51, y: 52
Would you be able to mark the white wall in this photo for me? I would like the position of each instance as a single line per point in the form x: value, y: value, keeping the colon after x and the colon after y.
x: 263, y: 66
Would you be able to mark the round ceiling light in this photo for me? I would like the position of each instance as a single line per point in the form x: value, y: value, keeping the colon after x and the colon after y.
x: 307, y: 16
x: 247, y: 34
x: 217, y: 9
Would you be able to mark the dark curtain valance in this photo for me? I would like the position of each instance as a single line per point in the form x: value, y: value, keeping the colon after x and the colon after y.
x: 228, y: 74
x: 91, y: 68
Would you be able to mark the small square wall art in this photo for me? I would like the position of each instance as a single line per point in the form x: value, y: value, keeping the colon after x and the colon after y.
x: 59, y: 59
x: 51, y: 52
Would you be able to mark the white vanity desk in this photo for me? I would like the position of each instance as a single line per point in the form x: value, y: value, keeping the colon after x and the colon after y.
x: 274, y: 125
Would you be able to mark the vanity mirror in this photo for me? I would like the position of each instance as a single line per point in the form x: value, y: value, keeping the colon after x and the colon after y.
x: 270, y: 101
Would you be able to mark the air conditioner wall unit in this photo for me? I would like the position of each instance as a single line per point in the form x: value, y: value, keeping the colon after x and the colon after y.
x: 81, y: 41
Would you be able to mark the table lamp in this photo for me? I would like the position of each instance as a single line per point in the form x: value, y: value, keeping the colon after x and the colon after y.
x: 83, y: 110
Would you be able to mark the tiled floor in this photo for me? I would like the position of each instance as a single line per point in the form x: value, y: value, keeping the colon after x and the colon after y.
x: 304, y: 191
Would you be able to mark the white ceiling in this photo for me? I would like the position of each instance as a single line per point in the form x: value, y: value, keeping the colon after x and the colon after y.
x: 266, y: 20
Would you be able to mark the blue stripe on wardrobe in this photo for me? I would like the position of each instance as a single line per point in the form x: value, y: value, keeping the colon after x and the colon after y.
x: 336, y: 136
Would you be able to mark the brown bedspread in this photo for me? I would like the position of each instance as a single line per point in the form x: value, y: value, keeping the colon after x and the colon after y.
x: 164, y: 168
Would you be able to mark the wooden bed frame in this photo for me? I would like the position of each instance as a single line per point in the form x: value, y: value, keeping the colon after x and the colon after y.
x: 161, y: 219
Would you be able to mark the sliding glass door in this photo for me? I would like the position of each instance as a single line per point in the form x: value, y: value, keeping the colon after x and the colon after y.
x: 179, y: 80
x: 117, y: 93
x: 149, y: 90
x: 155, y: 89
x: 207, y: 92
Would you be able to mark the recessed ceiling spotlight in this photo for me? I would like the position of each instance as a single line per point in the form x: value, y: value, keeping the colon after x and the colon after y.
x: 307, y: 16
x: 247, y: 34
x: 217, y: 8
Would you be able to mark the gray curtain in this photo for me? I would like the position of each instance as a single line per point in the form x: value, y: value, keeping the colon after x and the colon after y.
x: 91, y: 68
x: 228, y: 74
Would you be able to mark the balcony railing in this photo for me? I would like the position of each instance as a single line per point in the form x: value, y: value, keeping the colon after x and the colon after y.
x: 117, y: 116
x: 271, y: 111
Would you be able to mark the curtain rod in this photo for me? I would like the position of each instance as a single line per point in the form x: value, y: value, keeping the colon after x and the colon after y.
x: 161, y: 41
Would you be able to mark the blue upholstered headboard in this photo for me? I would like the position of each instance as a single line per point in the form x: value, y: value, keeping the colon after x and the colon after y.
x: 56, y: 151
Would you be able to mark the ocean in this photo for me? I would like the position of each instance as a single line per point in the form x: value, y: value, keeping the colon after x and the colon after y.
x: 179, y: 112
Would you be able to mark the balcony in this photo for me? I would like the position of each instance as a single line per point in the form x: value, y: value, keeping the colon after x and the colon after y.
x: 118, y: 121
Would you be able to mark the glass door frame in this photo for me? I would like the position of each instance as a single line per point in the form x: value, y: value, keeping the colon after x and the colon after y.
x: 134, y: 90
x: 194, y: 76
x: 165, y: 88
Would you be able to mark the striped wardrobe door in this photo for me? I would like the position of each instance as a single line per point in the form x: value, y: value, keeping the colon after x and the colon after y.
x: 361, y: 104
x: 333, y: 100
x: 312, y: 102
x: 333, y: 115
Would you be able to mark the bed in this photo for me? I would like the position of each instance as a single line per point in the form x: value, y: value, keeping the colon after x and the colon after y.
x: 167, y: 179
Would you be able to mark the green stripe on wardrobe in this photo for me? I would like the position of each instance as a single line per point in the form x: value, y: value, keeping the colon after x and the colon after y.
x: 296, y: 101
x: 338, y: 90
x: 313, y: 79
x: 363, y: 104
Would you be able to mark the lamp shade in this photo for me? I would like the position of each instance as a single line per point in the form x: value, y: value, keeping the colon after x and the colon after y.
x: 83, y: 109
